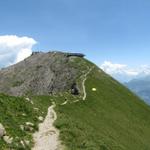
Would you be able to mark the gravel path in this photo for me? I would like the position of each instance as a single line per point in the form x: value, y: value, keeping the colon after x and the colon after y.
x: 47, y: 138
x: 83, y: 83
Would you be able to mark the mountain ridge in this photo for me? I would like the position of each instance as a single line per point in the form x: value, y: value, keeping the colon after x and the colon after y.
x: 110, y: 117
x: 39, y: 74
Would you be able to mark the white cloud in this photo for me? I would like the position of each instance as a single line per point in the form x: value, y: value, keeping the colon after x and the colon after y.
x: 14, y: 49
x: 124, y: 73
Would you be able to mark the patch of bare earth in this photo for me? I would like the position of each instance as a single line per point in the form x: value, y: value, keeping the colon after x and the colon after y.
x: 47, y: 138
x: 83, y: 83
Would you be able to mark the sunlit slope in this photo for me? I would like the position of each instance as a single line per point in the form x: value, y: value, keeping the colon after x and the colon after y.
x: 15, y: 112
x: 111, y: 118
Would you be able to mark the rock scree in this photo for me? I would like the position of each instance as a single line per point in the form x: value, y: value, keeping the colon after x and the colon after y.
x: 39, y: 74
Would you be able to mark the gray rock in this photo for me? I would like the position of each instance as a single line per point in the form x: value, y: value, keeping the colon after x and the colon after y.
x: 40, y: 118
x: 74, y: 89
x: 8, y: 139
x: 39, y: 74
x: 22, y: 143
x: 22, y: 127
x: 27, y: 142
x: 29, y: 124
x: 2, y: 130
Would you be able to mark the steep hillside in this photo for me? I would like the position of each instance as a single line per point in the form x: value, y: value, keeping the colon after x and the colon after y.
x: 104, y: 116
x: 40, y: 74
x: 111, y: 118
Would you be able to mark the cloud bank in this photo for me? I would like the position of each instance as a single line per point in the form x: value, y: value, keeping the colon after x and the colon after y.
x: 14, y: 49
x: 123, y: 72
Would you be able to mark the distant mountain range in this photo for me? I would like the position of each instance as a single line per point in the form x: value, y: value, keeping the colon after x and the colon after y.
x: 141, y: 87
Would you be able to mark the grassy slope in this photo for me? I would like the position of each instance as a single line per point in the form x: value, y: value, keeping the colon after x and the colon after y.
x: 112, y: 118
x: 11, y: 116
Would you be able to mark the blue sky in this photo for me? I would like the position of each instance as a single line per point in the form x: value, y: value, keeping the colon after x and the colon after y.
x: 114, y: 30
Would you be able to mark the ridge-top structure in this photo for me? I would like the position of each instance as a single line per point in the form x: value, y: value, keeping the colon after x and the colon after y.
x: 75, y: 54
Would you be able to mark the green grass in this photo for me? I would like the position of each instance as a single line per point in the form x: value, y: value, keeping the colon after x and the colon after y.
x: 15, y: 111
x: 112, y: 118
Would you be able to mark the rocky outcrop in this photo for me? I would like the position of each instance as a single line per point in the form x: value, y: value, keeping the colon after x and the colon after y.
x: 74, y: 89
x: 2, y: 130
x: 39, y: 74
x: 8, y: 139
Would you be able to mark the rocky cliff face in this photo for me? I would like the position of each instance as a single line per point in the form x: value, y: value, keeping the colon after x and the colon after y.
x: 39, y: 74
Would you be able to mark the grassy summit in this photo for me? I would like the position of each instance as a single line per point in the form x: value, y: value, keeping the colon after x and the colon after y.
x: 110, y: 118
